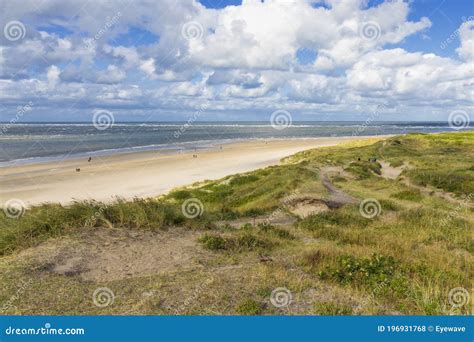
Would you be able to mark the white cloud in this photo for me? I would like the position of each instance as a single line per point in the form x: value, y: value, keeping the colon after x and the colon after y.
x: 53, y: 76
x: 397, y: 74
x: 148, y: 66
x: 246, y: 58
x: 466, y: 35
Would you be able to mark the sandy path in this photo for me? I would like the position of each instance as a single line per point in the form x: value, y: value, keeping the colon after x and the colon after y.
x: 337, y: 196
x: 142, y: 174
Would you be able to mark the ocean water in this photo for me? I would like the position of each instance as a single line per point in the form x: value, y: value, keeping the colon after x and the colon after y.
x: 33, y: 142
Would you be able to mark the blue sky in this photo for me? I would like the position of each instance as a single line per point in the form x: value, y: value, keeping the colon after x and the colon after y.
x: 317, y: 60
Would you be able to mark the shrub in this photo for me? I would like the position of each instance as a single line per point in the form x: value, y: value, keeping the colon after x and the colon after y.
x: 242, y: 242
x: 349, y: 269
x: 213, y: 242
x: 249, y: 307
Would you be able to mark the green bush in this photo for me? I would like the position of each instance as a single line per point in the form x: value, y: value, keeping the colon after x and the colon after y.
x: 213, y: 242
x: 249, y: 307
x: 350, y: 269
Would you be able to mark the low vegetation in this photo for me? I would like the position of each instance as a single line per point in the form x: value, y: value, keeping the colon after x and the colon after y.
x: 405, y: 259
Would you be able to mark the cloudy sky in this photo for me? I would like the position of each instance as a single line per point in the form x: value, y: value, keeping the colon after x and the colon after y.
x: 160, y: 60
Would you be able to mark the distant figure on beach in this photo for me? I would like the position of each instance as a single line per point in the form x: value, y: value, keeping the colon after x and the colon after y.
x: 89, y: 160
x: 78, y: 169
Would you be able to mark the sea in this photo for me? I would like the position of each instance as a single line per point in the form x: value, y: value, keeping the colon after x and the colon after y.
x: 37, y: 142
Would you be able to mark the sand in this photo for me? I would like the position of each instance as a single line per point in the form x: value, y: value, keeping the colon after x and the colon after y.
x: 142, y: 174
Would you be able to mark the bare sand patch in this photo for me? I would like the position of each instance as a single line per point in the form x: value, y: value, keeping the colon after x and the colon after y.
x: 304, y: 207
x: 389, y: 171
x: 111, y: 254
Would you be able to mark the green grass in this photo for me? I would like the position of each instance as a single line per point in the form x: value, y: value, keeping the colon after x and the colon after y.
x: 49, y: 220
x: 345, y: 217
x: 457, y: 181
x: 409, y: 195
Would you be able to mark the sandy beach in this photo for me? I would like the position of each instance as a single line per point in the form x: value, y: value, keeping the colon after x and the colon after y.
x: 143, y: 174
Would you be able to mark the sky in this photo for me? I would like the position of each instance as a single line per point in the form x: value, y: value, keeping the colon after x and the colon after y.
x: 166, y: 60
